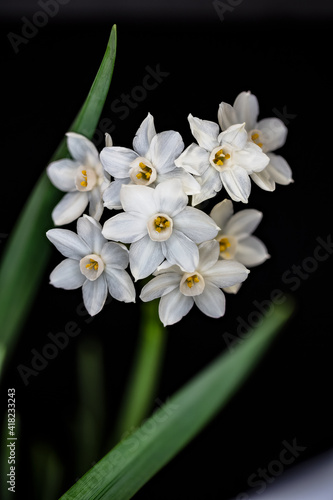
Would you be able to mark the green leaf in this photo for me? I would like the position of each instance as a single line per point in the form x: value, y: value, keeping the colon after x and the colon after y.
x: 128, y: 466
x: 27, y: 243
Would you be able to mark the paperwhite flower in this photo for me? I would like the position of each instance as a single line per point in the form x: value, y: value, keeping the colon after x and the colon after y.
x: 151, y: 162
x: 269, y: 133
x: 160, y: 225
x: 179, y: 290
x: 235, y: 236
x: 83, y: 179
x: 93, y: 263
x: 221, y: 159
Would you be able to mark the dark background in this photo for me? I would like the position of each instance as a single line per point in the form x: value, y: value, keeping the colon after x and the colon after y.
x: 282, y: 53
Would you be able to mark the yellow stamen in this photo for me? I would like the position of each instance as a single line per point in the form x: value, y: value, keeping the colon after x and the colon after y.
x: 84, y: 183
x: 84, y: 172
x: 254, y: 136
x: 224, y: 244
x: 142, y: 165
x: 191, y: 280
x: 93, y: 264
x: 219, y: 157
x: 260, y: 144
x: 161, y: 223
x: 139, y: 175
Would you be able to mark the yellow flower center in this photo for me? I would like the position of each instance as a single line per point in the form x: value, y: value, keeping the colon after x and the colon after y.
x: 191, y: 280
x: 145, y: 172
x: 84, y: 183
x: 224, y: 245
x: 93, y: 265
x: 161, y: 223
x: 220, y: 157
x: 255, y: 138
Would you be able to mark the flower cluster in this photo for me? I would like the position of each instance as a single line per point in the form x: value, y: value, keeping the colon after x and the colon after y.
x: 189, y: 257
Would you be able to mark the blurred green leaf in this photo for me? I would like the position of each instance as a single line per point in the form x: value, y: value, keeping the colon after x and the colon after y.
x: 27, y: 250
x: 128, y: 466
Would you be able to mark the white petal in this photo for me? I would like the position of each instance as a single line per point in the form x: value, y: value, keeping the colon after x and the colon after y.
x: 211, y: 302
x: 108, y: 141
x: 138, y: 199
x: 173, y: 307
x: 164, y: 149
x: 247, y: 108
x: 67, y: 275
x: 70, y: 207
x: 279, y: 169
x: 125, y: 227
x: 195, y: 224
x: 115, y: 255
x: 144, y: 135
x: 111, y: 195
x: 81, y: 148
x: 263, y: 179
x: 189, y: 184
x: 209, y: 252
x: 235, y: 135
x: 180, y: 250
x: 116, y: 160
x: 205, y: 132
x: 145, y: 256
x: 226, y: 273
x: 68, y: 243
x: 273, y: 133
x: 160, y: 285
x: 243, y: 223
x: 62, y: 174
x: 96, y: 206
x: 237, y: 182
x: 251, y: 251
x: 232, y: 289
x: 227, y: 116
x: 194, y: 159
x: 211, y: 184
x: 120, y: 284
x: 170, y: 197
x: 251, y: 158
x: 222, y: 212
x: 90, y: 231
x: 94, y: 294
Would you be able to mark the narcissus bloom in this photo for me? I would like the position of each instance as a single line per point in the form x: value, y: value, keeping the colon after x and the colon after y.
x: 83, y: 178
x: 93, y: 263
x: 151, y: 162
x: 159, y: 225
x: 221, y: 159
x: 269, y: 134
x: 179, y: 290
x: 235, y: 236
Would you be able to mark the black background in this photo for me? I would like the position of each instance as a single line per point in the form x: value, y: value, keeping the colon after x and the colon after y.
x: 284, y: 60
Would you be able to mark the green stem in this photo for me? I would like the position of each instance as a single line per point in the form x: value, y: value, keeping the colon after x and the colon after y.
x: 144, y: 376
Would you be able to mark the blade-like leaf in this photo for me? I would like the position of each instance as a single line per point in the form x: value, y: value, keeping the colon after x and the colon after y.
x: 19, y: 279
x: 128, y: 466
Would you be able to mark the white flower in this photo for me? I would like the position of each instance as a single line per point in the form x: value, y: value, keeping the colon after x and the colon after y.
x: 269, y: 133
x: 235, y: 236
x: 159, y: 224
x: 82, y: 178
x: 221, y: 159
x: 93, y: 263
x: 151, y: 162
x: 179, y: 290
